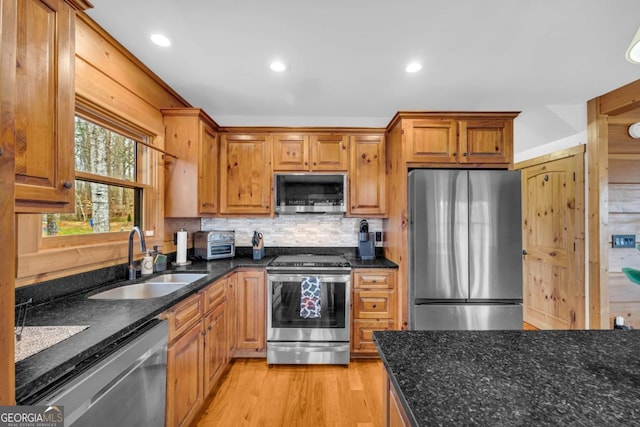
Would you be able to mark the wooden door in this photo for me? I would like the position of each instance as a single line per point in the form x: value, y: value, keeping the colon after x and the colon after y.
x: 251, y: 306
x: 290, y: 152
x: 45, y: 107
x: 367, y: 177
x: 208, y: 171
x: 245, y: 181
x: 185, y: 377
x: 215, y: 350
x: 485, y: 141
x: 553, y: 240
x: 430, y: 140
x: 329, y: 152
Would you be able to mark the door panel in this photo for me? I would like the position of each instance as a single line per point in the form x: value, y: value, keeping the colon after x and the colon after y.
x: 438, y: 234
x: 553, y: 238
x: 495, y: 236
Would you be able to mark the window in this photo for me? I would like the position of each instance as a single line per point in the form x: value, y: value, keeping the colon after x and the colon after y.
x: 108, y: 186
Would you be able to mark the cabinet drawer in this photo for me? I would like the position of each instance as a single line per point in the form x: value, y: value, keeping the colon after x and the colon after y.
x: 374, y: 278
x: 214, y: 294
x: 378, y: 304
x: 183, y: 315
x: 362, y: 341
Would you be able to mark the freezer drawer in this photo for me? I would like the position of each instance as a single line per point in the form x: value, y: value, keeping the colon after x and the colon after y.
x: 467, y: 317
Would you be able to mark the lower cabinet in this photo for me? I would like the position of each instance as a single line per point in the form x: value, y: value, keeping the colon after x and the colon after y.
x: 250, y: 314
x: 198, y: 352
x: 393, y: 412
x: 374, y: 301
x: 185, y: 375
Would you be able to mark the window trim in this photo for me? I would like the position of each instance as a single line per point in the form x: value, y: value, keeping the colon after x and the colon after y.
x: 146, y: 170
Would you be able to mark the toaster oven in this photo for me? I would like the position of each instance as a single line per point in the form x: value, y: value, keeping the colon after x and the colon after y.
x: 214, y: 244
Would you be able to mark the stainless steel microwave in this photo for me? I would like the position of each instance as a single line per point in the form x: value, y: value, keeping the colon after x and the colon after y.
x: 310, y: 193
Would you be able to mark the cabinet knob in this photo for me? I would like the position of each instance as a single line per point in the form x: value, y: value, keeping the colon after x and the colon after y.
x: 203, y: 333
x: 464, y: 154
x: 67, y: 185
x: 455, y: 154
x: 209, y: 327
x: 375, y: 305
x: 524, y: 252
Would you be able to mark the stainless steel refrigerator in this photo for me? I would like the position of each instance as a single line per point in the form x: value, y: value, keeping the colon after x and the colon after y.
x: 465, y: 250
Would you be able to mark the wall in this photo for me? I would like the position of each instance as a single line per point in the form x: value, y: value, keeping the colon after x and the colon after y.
x: 546, y: 126
x: 295, y: 230
x: 624, y: 218
x: 114, y: 83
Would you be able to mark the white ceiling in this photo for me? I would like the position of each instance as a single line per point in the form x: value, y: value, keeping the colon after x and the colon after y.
x: 347, y: 57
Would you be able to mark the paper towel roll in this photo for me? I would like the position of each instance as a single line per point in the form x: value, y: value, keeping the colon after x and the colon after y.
x: 181, y: 256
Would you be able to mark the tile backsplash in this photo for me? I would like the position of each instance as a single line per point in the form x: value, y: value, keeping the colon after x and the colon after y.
x: 295, y: 230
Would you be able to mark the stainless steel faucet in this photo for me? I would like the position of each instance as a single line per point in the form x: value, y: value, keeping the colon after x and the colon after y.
x: 143, y: 247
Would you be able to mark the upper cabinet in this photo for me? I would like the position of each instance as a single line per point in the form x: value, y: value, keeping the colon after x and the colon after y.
x: 310, y: 152
x: 367, y: 178
x: 245, y: 174
x: 45, y: 105
x: 190, y: 135
x: 464, y: 138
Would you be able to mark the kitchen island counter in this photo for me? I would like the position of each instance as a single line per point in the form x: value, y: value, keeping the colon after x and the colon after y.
x: 548, y: 378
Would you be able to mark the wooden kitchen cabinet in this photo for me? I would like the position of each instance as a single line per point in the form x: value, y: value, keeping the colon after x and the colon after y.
x: 216, y: 354
x: 191, y: 135
x: 231, y: 314
x: 198, y: 352
x: 459, y: 138
x: 45, y: 105
x: 290, y: 152
x: 310, y: 152
x: 245, y: 174
x: 251, y: 310
x: 367, y: 177
x: 185, y: 374
x: 374, y: 308
x: 394, y: 413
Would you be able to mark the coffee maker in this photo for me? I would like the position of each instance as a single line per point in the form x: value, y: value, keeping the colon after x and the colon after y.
x: 366, y: 242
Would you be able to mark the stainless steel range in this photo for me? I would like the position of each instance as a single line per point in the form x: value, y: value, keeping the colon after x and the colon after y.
x: 308, y: 310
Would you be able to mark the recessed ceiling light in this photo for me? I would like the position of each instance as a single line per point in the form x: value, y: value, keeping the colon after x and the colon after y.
x: 413, y: 67
x: 278, y: 66
x: 160, y: 40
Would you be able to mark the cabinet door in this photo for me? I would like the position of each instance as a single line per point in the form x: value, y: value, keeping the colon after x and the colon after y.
x: 207, y: 171
x: 431, y: 141
x: 486, y: 141
x: 231, y: 314
x: 290, y: 152
x: 215, y: 349
x: 362, y: 335
x: 191, y: 180
x: 376, y: 304
x: 184, y: 377
x: 45, y: 107
x: 245, y: 181
x: 329, y: 152
x: 251, y: 305
x: 367, y: 186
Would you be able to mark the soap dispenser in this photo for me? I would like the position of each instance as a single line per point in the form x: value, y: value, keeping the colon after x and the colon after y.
x: 146, y: 266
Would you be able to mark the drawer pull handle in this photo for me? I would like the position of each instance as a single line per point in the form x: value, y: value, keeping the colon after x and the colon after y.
x: 375, y: 305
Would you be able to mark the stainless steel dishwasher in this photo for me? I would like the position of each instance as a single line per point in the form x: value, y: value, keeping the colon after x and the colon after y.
x: 127, y: 388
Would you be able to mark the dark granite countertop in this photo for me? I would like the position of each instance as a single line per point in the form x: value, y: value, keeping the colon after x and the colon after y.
x: 111, y: 321
x: 522, y: 378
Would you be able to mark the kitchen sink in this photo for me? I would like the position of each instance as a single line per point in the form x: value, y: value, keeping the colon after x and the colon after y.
x: 153, y: 287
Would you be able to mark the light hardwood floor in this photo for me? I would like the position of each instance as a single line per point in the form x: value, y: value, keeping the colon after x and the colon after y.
x: 252, y: 394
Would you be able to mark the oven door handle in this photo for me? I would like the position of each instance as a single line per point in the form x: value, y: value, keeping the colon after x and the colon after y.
x: 298, y: 277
